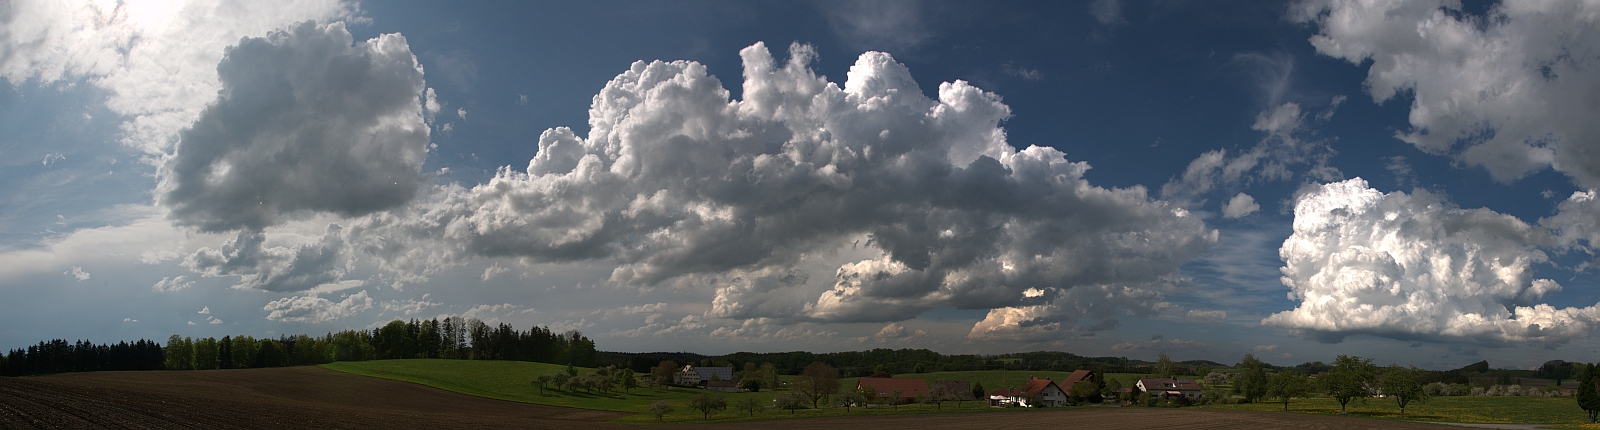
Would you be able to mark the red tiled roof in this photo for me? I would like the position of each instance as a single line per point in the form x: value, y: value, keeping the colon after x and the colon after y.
x: 1073, y: 379
x: 1035, y: 386
x: 909, y: 387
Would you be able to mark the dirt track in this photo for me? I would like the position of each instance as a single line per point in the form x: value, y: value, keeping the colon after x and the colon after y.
x: 313, y: 397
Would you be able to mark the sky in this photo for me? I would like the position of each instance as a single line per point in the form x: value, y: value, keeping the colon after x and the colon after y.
x: 1411, y: 182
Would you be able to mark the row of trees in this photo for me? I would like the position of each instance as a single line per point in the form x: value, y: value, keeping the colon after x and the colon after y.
x: 58, y: 356
x: 863, y: 363
x: 453, y: 338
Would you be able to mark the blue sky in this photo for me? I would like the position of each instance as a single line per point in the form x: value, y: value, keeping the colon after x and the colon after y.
x: 1409, y: 182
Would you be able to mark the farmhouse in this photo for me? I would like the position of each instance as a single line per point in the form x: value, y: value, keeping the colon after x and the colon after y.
x: 691, y: 375
x: 1036, y: 393
x: 723, y: 386
x: 884, y: 388
x: 1004, y: 397
x: 1076, y: 377
x: 1168, y: 387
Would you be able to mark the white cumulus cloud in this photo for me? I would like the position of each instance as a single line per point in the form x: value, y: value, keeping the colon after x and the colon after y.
x: 1241, y: 204
x: 312, y: 309
x: 1512, y: 91
x: 156, y: 59
x: 275, y: 268
x: 676, y: 182
x: 1415, y: 266
x: 306, y: 121
x: 167, y: 285
x: 78, y: 273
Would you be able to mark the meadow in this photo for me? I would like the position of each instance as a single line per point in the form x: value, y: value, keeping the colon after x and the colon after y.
x: 1457, y: 409
x: 511, y: 380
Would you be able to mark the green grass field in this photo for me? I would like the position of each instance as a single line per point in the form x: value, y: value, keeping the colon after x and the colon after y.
x: 1465, y: 409
x: 510, y: 380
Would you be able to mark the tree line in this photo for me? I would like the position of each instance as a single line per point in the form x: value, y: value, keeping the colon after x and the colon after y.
x: 59, y: 356
x: 863, y: 363
x: 449, y: 338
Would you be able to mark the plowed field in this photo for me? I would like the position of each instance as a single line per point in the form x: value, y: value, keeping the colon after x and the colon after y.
x: 313, y: 397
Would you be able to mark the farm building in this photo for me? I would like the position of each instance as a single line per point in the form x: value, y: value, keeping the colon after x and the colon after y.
x: 1168, y: 387
x: 884, y: 388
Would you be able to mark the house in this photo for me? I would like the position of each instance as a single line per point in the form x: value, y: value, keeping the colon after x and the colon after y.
x: 1041, y: 393
x: 1076, y: 377
x: 686, y: 376
x: 723, y: 386
x: 961, y: 389
x: 1003, y: 397
x: 691, y: 375
x: 1168, y: 387
x: 884, y: 388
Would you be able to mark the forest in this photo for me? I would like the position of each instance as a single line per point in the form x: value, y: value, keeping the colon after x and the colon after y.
x: 450, y: 338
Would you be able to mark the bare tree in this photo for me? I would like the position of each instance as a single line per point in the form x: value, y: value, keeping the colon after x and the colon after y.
x: 817, y: 381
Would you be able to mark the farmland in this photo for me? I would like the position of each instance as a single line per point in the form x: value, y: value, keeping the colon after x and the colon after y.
x: 315, y: 397
x: 1463, y: 409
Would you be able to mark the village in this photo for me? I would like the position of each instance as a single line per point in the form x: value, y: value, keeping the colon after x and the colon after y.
x: 883, y: 389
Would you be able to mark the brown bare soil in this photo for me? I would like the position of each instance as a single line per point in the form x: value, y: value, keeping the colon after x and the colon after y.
x: 313, y: 397
x: 295, y: 397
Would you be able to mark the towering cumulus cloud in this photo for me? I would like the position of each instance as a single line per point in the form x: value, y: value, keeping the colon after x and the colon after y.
x: 1513, y: 91
x: 306, y: 121
x: 909, y: 203
x: 1415, y: 266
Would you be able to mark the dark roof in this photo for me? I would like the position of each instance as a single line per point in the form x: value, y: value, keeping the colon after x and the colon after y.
x: 909, y: 387
x: 721, y: 384
x: 1005, y: 392
x: 961, y: 388
x: 1169, y: 384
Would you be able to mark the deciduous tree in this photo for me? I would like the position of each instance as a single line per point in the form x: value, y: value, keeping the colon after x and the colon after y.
x: 1252, y: 379
x: 849, y: 398
x: 1350, y: 378
x: 1287, y: 385
x: 1400, y: 384
x: 817, y: 381
x: 791, y: 401
x: 541, y: 381
x: 750, y: 405
x: 660, y: 409
x: 708, y: 404
x: 1164, y: 366
x: 938, y: 395
x: 1081, y: 391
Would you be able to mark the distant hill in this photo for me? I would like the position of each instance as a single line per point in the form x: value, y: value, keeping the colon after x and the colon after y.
x: 862, y: 363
